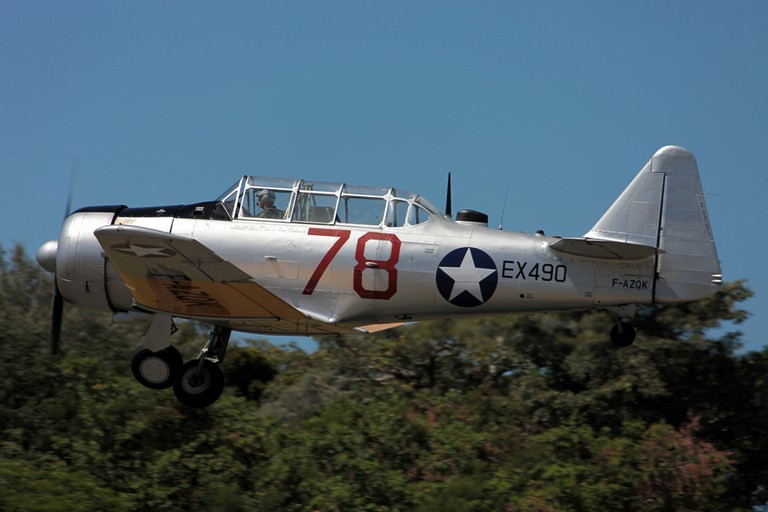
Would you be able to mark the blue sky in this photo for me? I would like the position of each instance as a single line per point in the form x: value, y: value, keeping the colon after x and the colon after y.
x: 562, y: 102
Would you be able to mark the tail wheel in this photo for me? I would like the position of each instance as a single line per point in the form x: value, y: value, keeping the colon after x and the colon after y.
x: 200, y: 384
x: 622, y: 334
x: 157, y: 370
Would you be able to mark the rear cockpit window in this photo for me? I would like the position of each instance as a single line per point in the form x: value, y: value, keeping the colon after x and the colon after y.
x: 362, y: 210
x: 315, y: 208
x: 397, y: 213
x: 316, y: 202
x: 417, y: 215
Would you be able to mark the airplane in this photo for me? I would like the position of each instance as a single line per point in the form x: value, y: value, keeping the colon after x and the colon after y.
x: 299, y: 257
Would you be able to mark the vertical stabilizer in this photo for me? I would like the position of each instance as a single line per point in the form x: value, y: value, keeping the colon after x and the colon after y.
x: 664, y: 207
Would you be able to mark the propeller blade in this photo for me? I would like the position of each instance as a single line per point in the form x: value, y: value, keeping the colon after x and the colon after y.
x: 49, y: 257
x: 71, y: 188
x: 448, y: 197
x: 57, y: 313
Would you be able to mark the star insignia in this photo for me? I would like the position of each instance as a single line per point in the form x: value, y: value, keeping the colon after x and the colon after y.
x: 144, y: 251
x: 467, y: 277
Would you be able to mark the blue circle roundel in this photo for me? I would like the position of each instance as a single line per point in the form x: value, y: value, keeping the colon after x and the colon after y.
x: 467, y: 277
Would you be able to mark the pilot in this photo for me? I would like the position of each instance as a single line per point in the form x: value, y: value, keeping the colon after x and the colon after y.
x: 267, y: 204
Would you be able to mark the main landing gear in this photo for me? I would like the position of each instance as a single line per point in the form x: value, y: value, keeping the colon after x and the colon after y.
x: 157, y: 370
x: 158, y: 365
x: 202, y: 381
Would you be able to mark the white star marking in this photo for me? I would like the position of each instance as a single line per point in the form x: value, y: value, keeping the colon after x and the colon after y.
x: 467, y: 277
x: 143, y: 252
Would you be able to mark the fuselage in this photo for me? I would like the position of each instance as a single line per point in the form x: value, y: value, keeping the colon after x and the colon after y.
x: 347, y: 274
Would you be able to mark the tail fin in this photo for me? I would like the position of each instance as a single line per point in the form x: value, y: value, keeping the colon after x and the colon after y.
x: 664, y: 207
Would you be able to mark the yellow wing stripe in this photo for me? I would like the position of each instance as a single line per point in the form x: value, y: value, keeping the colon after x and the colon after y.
x: 181, y: 276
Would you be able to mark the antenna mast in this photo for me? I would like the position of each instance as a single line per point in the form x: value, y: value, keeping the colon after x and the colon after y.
x: 448, y: 197
x: 504, y: 208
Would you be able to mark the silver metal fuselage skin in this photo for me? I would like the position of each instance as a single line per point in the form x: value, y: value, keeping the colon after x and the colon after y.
x: 529, y: 276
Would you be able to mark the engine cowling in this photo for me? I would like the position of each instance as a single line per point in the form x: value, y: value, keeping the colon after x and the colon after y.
x: 84, y: 276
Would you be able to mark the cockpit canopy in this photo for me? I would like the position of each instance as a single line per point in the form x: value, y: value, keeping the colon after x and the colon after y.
x: 288, y: 200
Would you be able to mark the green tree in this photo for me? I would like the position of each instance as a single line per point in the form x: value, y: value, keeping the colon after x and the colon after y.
x: 534, y: 412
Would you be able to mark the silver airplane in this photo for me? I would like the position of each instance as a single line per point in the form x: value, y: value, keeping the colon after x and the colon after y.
x: 289, y: 256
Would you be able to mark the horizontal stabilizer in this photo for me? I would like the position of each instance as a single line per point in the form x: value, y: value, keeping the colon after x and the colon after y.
x: 603, y: 249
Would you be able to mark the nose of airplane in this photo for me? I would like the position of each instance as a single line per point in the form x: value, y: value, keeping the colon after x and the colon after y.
x: 46, y: 255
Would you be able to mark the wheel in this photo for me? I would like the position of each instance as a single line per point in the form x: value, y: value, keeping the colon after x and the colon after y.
x: 157, y: 370
x: 199, y: 387
x: 622, y: 335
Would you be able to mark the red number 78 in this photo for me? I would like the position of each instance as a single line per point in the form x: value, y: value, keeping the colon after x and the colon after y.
x: 363, y: 263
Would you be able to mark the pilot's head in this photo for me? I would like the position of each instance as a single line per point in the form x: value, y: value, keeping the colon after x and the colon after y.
x: 266, y: 198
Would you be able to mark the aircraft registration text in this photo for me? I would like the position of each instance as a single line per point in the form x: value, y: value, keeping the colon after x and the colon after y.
x: 630, y: 284
x: 524, y: 270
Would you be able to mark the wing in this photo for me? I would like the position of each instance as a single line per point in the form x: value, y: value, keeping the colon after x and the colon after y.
x: 603, y: 249
x: 181, y: 276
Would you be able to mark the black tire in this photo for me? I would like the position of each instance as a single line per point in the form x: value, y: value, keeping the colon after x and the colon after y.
x: 199, y: 390
x: 624, y: 337
x: 157, y: 370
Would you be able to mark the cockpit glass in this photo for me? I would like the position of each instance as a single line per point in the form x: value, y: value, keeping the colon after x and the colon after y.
x: 266, y: 182
x: 265, y: 203
x: 402, y: 194
x: 316, y: 208
x: 229, y: 197
x: 255, y: 197
x: 319, y: 186
x: 396, y: 213
x: 227, y: 194
x: 362, y: 210
x: 429, y: 207
x: 353, y: 190
x: 417, y: 215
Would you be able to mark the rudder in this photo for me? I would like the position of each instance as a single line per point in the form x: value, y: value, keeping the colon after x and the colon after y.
x: 664, y: 207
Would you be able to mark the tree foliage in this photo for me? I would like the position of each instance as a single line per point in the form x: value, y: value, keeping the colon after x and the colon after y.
x: 515, y: 413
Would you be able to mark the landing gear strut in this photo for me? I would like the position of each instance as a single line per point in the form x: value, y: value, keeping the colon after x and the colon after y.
x: 201, y: 380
